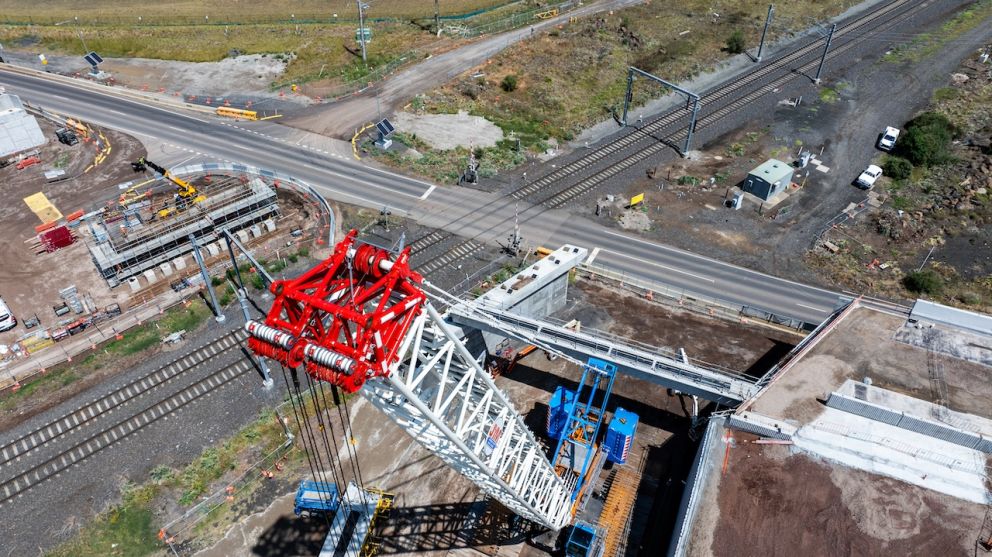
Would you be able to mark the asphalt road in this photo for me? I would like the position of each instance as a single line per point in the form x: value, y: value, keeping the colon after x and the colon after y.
x: 468, y: 213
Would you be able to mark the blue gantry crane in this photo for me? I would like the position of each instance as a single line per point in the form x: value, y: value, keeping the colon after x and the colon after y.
x: 577, y: 450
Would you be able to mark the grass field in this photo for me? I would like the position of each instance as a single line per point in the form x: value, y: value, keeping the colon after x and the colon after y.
x: 574, y: 75
x: 116, y: 12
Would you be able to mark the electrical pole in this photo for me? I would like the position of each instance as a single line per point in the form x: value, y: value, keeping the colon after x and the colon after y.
x: 768, y: 20
x: 824, y: 57
x: 361, y: 28
x: 437, y: 18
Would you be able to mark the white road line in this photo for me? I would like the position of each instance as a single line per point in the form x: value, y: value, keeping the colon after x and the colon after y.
x: 668, y: 249
x: 592, y: 256
x: 427, y: 193
x: 814, y: 308
x: 700, y: 277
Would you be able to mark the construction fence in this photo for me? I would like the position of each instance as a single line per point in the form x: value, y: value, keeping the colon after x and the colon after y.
x: 41, y: 351
x: 177, y: 532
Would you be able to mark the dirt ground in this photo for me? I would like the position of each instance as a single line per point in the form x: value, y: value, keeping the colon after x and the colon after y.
x: 863, y: 346
x: 819, y: 508
x: 750, y: 349
x: 447, y: 131
x: 30, y: 281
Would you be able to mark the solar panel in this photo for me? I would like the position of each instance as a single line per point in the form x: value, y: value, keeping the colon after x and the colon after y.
x: 96, y: 57
x: 385, y: 127
x: 93, y: 59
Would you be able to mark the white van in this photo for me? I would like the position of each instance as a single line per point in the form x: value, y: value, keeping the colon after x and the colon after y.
x: 7, y: 319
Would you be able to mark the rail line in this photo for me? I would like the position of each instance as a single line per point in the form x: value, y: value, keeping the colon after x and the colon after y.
x: 17, y: 485
x: 67, y: 423
x: 653, y: 145
x: 647, y: 134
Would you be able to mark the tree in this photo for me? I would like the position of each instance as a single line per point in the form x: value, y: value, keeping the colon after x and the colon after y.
x: 735, y: 43
x: 923, y: 282
x: 897, y: 168
x: 509, y: 83
x: 926, y: 140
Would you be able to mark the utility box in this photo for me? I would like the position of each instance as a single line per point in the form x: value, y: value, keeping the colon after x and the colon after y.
x: 559, y: 407
x: 620, y: 435
x: 768, y: 179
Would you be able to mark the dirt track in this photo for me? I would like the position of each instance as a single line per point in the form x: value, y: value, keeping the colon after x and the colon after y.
x: 341, y: 119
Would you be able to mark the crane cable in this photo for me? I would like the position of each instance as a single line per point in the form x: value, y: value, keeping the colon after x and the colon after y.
x: 301, y: 424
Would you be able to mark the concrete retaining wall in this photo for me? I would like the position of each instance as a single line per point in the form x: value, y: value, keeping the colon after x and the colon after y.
x: 916, y: 424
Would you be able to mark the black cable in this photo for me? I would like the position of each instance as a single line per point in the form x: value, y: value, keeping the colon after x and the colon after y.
x: 332, y: 455
x: 346, y: 423
x: 334, y: 436
x: 300, y: 424
x: 317, y: 469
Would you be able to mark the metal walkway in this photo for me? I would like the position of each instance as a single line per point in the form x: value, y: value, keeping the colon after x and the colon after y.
x: 644, y: 362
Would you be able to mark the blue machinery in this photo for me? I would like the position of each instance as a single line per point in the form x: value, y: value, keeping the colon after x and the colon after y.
x: 577, y: 445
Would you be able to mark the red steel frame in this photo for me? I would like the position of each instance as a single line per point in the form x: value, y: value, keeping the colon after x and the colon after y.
x: 357, y: 305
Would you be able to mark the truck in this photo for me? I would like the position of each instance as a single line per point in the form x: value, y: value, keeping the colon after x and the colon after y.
x: 316, y: 498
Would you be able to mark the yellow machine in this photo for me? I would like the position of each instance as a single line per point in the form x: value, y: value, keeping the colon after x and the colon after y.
x: 186, y: 194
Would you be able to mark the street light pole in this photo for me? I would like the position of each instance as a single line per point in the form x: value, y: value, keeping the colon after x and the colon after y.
x: 437, y: 18
x: 361, y: 28
x: 824, y: 57
x: 80, y: 33
x: 768, y: 20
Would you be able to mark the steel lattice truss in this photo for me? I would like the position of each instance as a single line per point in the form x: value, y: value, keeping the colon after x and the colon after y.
x: 443, y: 398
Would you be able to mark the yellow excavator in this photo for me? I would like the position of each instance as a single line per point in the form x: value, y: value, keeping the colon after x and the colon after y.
x: 186, y: 194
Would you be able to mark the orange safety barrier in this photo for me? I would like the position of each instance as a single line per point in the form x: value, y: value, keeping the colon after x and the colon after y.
x: 47, y: 226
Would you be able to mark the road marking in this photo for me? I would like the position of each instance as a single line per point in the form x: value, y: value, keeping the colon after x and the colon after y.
x: 592, y: 256
x: 670, y: 249
x: 814, y: 308
x: 429, y: 191
x: 700, y: 277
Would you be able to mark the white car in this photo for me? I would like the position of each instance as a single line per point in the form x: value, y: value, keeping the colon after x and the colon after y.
x: 7, y: 319
x: 868, y: 177
x: 888, y: 139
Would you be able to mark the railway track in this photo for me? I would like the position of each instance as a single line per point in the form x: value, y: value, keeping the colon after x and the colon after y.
x: 650, y: 139
x: 15, y: 486
x: 728, y: 98
x: 28, y: 443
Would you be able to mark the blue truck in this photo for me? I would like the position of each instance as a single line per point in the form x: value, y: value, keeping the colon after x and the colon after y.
x: 315, y: 498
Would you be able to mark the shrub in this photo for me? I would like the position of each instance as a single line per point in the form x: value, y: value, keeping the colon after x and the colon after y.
x: 923, y: 282
x: 735, y: 43
x: 509, y: 83
x: 897, y: 168
x: 970, y: 298
x: 926, y: 139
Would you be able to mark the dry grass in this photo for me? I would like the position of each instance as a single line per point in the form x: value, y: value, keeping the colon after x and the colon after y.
x: 128, y: 11
x: 572, y: 76
x: 311, y: 48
